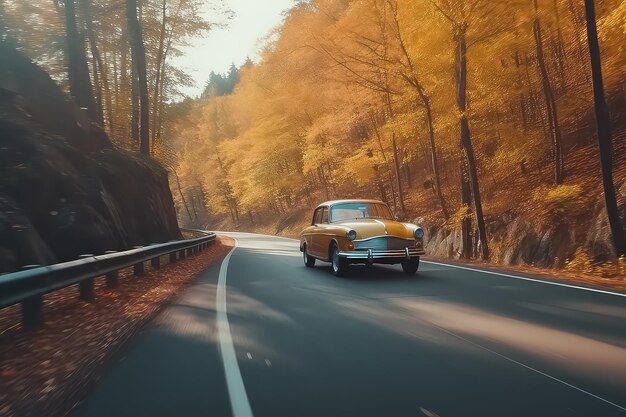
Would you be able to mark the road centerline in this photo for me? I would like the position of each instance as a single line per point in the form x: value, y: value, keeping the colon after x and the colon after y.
x: 240, y: 405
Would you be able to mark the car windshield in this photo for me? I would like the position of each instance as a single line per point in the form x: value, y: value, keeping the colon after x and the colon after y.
x: 349, y: 211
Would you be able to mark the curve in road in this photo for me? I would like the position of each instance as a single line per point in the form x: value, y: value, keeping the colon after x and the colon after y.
x: 265, y: 336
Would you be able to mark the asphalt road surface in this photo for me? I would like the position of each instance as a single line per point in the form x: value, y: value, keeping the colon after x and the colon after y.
x: 261, y: 335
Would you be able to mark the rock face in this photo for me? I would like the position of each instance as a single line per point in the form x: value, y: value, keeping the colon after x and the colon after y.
x: 64, y: 189
x: 517, y: 240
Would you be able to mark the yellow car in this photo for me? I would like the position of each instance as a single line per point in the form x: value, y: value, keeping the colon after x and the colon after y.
x: 345, y: 232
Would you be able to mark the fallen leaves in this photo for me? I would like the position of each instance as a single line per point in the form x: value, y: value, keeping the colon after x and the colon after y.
x: 46, y: 370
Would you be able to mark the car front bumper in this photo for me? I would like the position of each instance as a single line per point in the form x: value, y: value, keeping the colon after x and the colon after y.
x: 370, y: 256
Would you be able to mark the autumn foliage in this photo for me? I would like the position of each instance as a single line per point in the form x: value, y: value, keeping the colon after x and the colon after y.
x: 442, y: 108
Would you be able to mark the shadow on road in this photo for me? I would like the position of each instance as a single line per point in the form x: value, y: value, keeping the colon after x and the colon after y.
x: 372, y: 273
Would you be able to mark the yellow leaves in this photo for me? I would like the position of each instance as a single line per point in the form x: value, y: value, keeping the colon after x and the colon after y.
x: 558, y: 203
x: 581, y: 262
x: 359, y: 167
x: 455, y: 220
x: 318, y: 113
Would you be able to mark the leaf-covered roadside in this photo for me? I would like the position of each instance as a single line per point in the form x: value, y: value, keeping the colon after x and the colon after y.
x: 47, y: 370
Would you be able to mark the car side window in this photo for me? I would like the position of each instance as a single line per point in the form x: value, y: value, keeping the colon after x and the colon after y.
x: 325, y: 215
x: 317, y: 216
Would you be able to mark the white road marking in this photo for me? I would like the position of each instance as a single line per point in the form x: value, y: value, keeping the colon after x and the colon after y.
x: 236, y: 389
x: 541, y: 281
x: 234, y: 382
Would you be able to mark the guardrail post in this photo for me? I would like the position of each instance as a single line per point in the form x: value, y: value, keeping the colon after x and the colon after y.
x: 182, y: 254
x: 32, y: 311
x: 155, y: 262
x: 173, y: 257
x: 32, y: 307
x: 111, y: 277
x: 138, y: 269
x: 85, y: 287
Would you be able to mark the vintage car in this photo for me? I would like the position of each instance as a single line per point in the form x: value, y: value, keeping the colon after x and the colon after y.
x: 345, y: 232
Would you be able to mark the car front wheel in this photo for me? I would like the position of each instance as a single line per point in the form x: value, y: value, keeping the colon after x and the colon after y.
x: 340, y: 266
x: 410, y: 266
x: 309, y: 261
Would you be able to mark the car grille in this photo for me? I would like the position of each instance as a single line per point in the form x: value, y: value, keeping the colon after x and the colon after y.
x: 384, y: 243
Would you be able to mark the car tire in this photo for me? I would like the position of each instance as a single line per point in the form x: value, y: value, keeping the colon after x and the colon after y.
x: 410, y: 266
x: 339, y: 265
x: 309, y: 261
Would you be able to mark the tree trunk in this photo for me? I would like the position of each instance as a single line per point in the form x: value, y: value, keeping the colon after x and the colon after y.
x: 157, y: 78
x: 433, y: 153
x: 384, y: 155
x: 139, y: 63
x: 77, y: 68
x: 97, y: 87
x: 466, y: 223
x: 553, y: 120
x: 522, y: 98
x: 182, y: 197
x: 135, y: 107
x: 398, y: 174
x: 409, y: 178
x: 603, y: 124
x: 101, y: 80
x: 320, y: 173
x: 193, y: 204
x: 415, y: 82
x: 381, y: 185
x: 105, y: 92
x: 466, y: 141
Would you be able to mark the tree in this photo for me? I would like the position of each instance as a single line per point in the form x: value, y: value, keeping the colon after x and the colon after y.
x: 603, y: 126
x: 77, y: 68
x: 139, y: 65
x: 553, y: 119
x: 99, y: 69
x: 411, y: 76
x: 461, y: 16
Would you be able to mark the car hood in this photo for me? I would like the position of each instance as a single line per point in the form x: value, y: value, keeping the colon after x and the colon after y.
x: 366, y: 228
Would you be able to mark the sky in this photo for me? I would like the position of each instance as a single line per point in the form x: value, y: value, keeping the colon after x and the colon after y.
x: 243, y: 37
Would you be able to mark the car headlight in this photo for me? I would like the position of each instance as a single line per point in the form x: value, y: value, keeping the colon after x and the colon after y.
x: 351, y: 235
x: 418, y: 233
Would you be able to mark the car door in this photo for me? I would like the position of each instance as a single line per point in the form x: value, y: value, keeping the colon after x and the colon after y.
x: 312, y: 237
x: 322, y: 238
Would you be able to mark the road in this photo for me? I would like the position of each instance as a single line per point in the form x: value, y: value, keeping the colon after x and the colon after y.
x: 274, y: 338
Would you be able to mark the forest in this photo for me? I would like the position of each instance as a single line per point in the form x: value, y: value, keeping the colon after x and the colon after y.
x: 466, y: 116
x: 497, y: 125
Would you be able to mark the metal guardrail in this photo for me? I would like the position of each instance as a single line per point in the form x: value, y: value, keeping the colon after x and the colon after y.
x: 30, y: 285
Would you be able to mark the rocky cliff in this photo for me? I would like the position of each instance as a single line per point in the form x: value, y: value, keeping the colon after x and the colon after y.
x: 516, y: 239
x: 65, y: 190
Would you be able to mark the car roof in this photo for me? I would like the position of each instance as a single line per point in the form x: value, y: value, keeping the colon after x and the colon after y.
x: 358, y: 200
